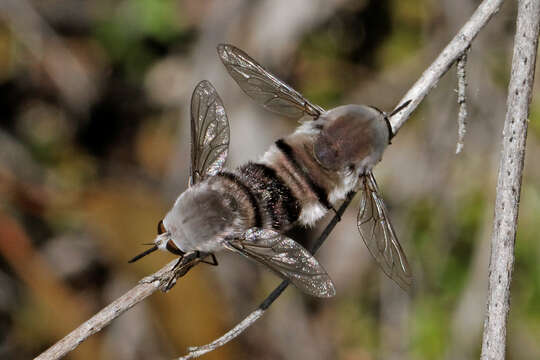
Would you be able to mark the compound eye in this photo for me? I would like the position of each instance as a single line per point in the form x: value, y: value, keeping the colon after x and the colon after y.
x: 171, y: 246
x: 161, y: 228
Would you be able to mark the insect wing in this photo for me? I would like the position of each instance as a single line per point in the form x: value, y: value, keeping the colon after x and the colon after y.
x: 287, y: 258
x: 209, y: 132
x: 379, y: 235
x: 263, y: 87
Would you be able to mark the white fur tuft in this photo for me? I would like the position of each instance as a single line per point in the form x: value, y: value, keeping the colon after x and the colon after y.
x: 307, y: 128
x: 311, y: 213
x: 347, y: 183
x: 271, y: 156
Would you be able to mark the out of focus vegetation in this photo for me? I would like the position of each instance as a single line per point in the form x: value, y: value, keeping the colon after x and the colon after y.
x: 94, y: 147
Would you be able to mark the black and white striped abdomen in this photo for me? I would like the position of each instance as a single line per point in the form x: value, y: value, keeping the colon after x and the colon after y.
x: 287, y: 186
x: 279, y: 191
x: 316, y: 189
x: 268, y: 201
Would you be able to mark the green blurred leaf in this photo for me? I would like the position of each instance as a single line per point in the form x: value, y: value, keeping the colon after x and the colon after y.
x: 126, y: 34
x: 430, y: 329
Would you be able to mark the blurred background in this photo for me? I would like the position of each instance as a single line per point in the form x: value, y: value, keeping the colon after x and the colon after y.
x: 94, y: 148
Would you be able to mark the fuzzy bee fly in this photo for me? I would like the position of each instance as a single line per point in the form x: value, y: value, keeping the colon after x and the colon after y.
x: 296, y: 182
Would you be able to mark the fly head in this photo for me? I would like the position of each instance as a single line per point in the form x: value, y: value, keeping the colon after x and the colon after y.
x: 353, y: 136
x: 200, y: 218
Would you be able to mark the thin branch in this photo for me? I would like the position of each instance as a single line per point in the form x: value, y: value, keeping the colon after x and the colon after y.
x: 453, y: 51
x: 255, y: 315
x: 161, y: 280
x: 509, y: 180
x: 444, y: 61
x: 461, y: 100
x: 417, y: 93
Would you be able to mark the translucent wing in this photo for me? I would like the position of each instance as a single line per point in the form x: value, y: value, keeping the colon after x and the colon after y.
x: 287, y: 258
x: 209, y: 132
x: 379, y: 235
x: 263, y: 87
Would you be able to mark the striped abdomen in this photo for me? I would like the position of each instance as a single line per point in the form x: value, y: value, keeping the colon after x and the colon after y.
x: 287, y: 186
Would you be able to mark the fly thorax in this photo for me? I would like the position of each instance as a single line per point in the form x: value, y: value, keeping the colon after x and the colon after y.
x: 200, y: 218
x: 352, y: 137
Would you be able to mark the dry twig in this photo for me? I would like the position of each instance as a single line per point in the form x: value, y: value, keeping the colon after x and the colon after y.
x: 461, y: 100
x: 197, y: 351
x: 509, y: 181
x: 160, y: 280
x: 453, y: 51
x: 457, y: 46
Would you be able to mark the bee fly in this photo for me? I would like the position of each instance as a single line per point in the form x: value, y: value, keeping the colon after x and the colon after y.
x: 296, y: 182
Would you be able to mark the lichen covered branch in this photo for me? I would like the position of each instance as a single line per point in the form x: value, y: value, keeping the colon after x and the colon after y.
x: 461, y: 100
x: 509, y: 179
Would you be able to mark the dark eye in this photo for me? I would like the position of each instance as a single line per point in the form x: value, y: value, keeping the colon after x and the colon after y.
x: 161, y: 228
x: 171, y: 246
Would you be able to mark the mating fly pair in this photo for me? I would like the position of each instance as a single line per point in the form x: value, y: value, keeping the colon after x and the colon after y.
x: 296, y: 182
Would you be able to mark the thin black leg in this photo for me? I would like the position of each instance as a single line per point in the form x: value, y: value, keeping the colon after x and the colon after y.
x: 213, y: 260
x: 336, y: 212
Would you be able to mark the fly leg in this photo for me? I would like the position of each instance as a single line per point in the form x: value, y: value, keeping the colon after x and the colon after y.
x: 182, y: 266
x: 336, y: 212
x: 213, y: 261
x: 173, y: 276
x: 186, y: 262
